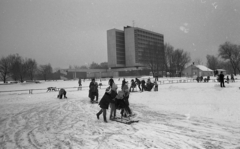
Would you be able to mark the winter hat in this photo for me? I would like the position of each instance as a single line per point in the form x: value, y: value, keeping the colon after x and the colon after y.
x: 114, y: 87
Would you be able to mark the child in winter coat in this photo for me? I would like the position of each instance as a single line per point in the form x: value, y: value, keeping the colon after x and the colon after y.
x: 118, y: 104
x: 126, y: 92
x: 61, y: 93
x: 107, y: 98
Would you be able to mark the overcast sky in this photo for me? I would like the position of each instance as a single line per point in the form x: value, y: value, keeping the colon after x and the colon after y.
x: 74, y: 32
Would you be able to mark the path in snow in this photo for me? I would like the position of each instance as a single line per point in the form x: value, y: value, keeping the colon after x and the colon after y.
x: 72, y: 124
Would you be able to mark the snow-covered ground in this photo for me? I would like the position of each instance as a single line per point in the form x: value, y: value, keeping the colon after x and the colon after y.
x: 178, y: 116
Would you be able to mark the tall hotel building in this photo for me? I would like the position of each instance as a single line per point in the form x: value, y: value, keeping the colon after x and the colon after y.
x: 126, y: 48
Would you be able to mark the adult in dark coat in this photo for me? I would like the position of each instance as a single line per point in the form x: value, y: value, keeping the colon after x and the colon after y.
x: 107, y: 98
x: 221, y: 79
x: 93, y: 90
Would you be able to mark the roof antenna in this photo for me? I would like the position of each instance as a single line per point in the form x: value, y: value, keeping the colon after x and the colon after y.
x: 133, y: 23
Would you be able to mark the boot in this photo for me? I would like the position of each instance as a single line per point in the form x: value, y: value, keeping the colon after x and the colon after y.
x: 105, y: 119
x: 97, y: 116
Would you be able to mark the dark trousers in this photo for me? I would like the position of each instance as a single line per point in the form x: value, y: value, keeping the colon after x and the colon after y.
x: 104, y: 111
x: 143, y: 87
x: 93, y: 95
x: 113, y: 110
x: 222, y: 84
x: 139, y: 87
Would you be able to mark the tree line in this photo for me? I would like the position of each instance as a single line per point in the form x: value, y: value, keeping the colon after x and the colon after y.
x: 228, y: 58
x: 20, y: 69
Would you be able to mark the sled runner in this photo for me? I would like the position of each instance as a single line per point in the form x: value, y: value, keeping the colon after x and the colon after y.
x: 124, y: 120
x: 93, y: 102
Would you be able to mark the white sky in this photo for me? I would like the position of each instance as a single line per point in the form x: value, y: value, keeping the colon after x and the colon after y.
x: 73, y: 32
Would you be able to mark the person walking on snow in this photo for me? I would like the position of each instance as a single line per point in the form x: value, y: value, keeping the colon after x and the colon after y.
x: 221, y: 79
x: 80, y: 84
x: 138, y: 82
x: 107, y: 98
x: 93, y: 90
x: 143, y: 85
x: 123, y: 82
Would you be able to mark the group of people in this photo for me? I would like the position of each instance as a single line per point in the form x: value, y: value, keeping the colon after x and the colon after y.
x: 112, y: 97
x: 200, y: 79
x: 115, y: 99
x: 142, y: 85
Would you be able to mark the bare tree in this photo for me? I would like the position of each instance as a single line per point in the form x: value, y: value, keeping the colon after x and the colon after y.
x: 45, y: 71
x: 151, y: 57
x: 18, y: 67
x: 180, y: 59
x: 231, y: 53
x: 5, y: 64
x: 168, y: 49
x: 31, y: 66
x: 212, y: 62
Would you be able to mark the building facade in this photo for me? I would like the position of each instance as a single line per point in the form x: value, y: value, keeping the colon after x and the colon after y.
x: 134, y: 47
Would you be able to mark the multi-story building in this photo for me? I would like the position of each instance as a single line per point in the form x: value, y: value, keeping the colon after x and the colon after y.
x: 134, y: 47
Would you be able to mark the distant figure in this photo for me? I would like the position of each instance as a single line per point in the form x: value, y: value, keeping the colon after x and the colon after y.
x: 93, y: 90
x: 111, y: 81
x: 155, y: 86
x: 133, y: 85
x: 208, y: 78
x: 79, y: 84
x: 221, y: 79
x: 138, y: 82
x: 227, y: 79
x: 143, y: 85
x: 62, y: 93
x: 232, y: 78
x: 123, y: 82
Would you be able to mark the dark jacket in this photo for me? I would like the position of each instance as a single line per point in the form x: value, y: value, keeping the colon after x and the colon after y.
x: 221, y: 77
x: 110, y: 82
x: 93, y: 87
x: 138, y: 81
x: 106, y: 99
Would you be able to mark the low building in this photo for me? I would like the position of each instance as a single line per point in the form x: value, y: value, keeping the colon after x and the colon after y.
x: 197, y: 71
x: 104, y: 73
x: 218, y: 71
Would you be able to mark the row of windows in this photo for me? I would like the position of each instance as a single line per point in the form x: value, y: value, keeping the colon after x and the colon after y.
x: 120, y: 45
x: 148, y: 37
x: 120, y: 52
x: 146, y: 33
x: 146, y: 44
x: 149, y: 40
